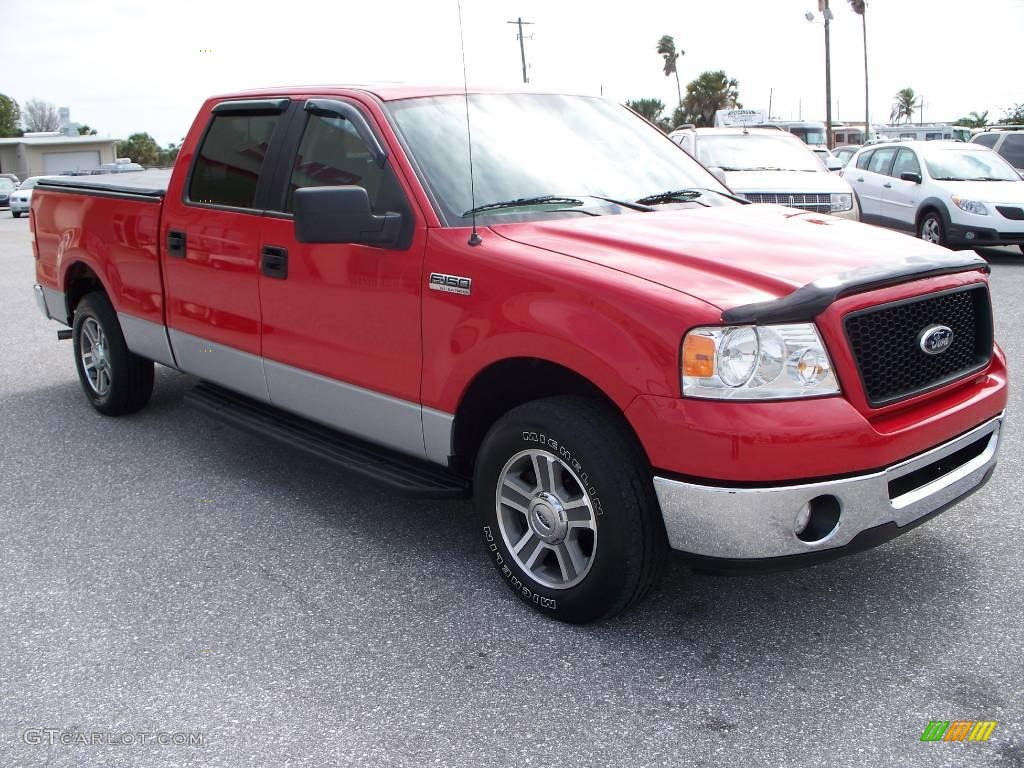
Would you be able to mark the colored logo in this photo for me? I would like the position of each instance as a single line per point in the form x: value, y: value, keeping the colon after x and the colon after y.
x: 935, y: 339
x: 958, y: 730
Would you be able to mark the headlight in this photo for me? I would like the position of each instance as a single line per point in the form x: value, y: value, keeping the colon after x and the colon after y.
x: 971, y: 206
x: 748, y: 362
x: 841, y: 201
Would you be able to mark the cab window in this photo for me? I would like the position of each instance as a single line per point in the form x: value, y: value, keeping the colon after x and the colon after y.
x: 230, y: 160
x: 332, y: 154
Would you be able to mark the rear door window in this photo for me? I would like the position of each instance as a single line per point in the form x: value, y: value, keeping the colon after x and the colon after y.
x: 863, y: 159
x: 230, y: 160
x: 1012, y: 149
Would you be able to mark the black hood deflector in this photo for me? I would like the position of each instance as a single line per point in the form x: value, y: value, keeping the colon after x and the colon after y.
x: 809, y: 301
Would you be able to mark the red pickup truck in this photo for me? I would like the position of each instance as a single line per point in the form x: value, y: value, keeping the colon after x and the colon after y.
x: 611, y: 352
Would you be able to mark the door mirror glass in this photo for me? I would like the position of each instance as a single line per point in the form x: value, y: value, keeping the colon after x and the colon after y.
x: 911, y: 176
x: 342, y: 215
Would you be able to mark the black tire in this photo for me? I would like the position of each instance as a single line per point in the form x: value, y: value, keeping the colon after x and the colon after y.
x: 1021, y: 248
x: 16, y: 214
x: 130, y: 376
x: 599, y: 460
x: 932, y: 220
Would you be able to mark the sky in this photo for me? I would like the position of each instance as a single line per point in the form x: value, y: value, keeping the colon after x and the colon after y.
x: 124, y: 66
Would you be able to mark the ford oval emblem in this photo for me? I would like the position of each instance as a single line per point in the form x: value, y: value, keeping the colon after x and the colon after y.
x: 935, y: 339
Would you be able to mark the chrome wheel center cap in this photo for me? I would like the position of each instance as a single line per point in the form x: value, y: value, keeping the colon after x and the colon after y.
x: 547, y: 518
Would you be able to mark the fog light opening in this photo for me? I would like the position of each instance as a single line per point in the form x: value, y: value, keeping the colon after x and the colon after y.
x: 817, y: 519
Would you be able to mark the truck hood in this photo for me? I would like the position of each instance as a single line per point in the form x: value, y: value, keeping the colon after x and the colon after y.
x: 786, y: 181
x: 726, y: 256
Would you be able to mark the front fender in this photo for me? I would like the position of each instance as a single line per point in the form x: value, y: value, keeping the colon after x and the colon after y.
x: 618, y: 331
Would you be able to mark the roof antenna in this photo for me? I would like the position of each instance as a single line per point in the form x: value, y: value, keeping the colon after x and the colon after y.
x: 474, y: 238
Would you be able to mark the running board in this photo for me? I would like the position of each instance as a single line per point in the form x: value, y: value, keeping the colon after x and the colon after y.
x: 405, y: 474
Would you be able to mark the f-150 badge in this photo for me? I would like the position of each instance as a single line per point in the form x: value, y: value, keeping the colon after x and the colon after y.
x: 451, y: 283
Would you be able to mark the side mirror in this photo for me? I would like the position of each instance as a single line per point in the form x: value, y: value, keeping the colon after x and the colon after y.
x: 911, y: 176
x: 342, y: 215
x: 834, y: 164
x: 719, y: 174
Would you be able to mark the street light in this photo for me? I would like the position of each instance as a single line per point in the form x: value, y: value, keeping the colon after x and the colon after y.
x: 826, y: 13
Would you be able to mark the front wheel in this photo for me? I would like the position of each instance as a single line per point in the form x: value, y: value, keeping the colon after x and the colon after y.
x: 114, y: 380
x: 16, y: 214
x: 568, y: 510
x: 931, y: 229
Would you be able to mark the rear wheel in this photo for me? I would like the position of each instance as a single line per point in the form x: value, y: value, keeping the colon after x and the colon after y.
x: 568, y: 510
x: 114, y: 380
x: 931, y: 229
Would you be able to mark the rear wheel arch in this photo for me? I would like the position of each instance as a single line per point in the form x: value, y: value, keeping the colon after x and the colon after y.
x: 80, y: 280
x: 508, y: 383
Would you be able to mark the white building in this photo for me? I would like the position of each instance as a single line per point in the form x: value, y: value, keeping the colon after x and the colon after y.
x: 38, y: 154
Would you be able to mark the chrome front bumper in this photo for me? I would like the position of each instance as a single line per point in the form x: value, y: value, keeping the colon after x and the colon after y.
x: 758, y: 523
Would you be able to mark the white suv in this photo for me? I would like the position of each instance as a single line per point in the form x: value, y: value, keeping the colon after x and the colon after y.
x: 954, y: 194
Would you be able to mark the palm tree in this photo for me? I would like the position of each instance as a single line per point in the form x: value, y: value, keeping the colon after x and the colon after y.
x: 905, y: 103
x: 667, y: 49
x: 651, y: 110
x: 974, y: 120
x: 709, y: 92
x: 859, y: 7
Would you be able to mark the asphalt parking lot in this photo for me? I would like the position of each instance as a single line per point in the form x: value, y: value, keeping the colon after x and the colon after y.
x: 161, y: 573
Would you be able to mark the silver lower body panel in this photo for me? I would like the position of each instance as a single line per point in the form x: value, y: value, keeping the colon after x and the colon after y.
x: 759, y: 523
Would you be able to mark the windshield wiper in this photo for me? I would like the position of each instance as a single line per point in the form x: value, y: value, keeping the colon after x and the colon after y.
x: 688, y: 195
x: 988, y: 178
x: 523, y: 202
x: 672, y: 196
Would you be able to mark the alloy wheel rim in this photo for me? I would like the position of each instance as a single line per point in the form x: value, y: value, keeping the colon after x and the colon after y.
x: 546, y: 519
x: 95, y: 354
x: 930, y: 230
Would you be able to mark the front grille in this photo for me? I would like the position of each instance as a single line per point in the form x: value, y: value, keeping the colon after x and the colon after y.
x: 886, y: 342
x: 820, y: 203
x: 1017, y: 214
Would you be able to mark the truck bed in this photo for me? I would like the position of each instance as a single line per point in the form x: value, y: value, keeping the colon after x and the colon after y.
x: 136, y: 183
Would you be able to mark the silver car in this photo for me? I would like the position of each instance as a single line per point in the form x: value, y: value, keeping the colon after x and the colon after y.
x: 21, y: 198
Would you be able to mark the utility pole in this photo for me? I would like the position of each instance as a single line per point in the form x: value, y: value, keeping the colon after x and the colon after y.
x: 522, y: 47
x: 828, y: 74
x: 867, y: 101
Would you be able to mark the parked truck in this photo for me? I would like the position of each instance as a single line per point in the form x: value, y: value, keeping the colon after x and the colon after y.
x: 595, y: 339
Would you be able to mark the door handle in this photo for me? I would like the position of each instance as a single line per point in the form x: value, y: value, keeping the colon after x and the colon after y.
x: 274, y: 261
x: 176, y: 243
x: 861, y: 179
x: 887, y: 185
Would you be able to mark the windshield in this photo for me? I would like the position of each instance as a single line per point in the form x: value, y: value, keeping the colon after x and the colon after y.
x: 6, y: 185
x: 530, y: 146
x: 968, y: 165
x: 29, y: 183
x: 752, y: 152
